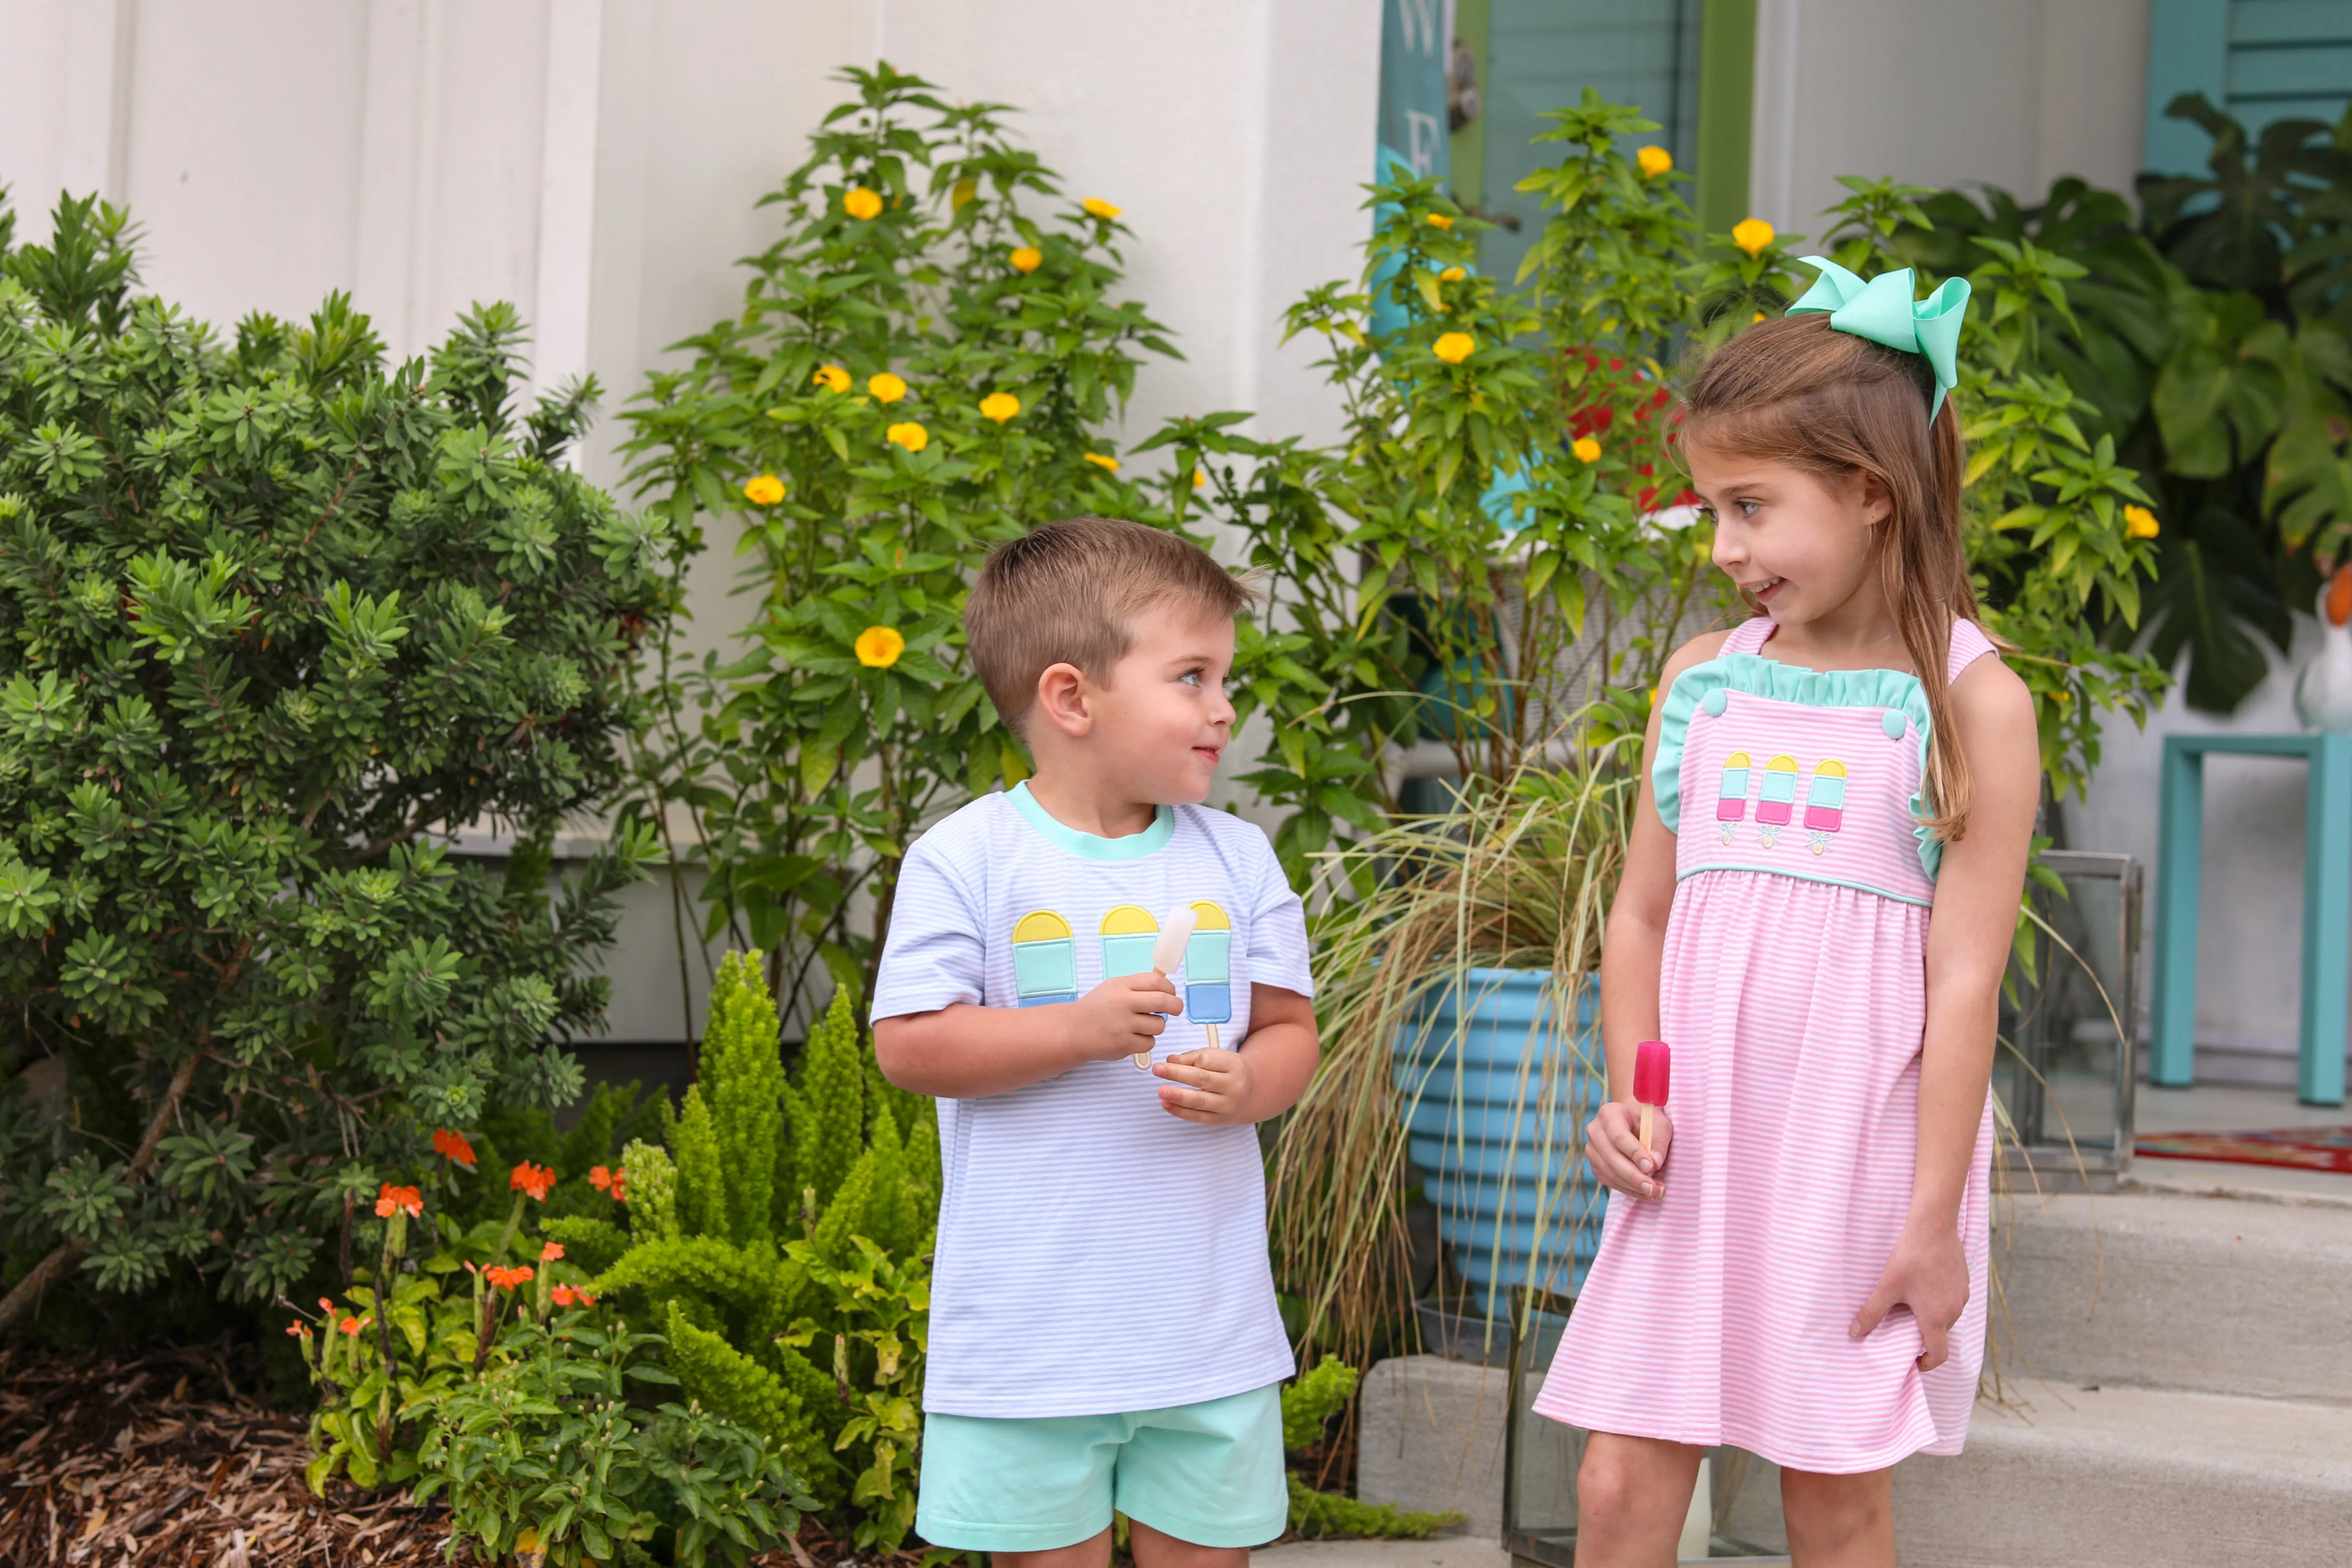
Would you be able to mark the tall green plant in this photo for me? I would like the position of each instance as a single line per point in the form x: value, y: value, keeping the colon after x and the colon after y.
x: 782, y: 1246
x: 274, y: 616
x: 928, y: 361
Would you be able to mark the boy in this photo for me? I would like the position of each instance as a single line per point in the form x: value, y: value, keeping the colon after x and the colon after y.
x: 1103, y: 1324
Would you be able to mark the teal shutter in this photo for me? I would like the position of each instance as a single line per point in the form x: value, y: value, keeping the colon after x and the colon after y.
x: 2262, y: 60
x: 1543, y: 54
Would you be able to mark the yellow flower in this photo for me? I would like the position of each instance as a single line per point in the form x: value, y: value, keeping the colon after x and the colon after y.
x: 2139, y: 522
x: 878, y: 648
x: 1000, y: 407
x: 1755, y: 317
x: 861, y: 202
x: 1453, y: 275
x: 1439, y: 220
x: 1108, y: 465
x: 963, y: 192
x: 1751, y: 235
x: 1454, y: 347
x: 911, y: 435
x: 1586, y: 448
x: 1097, y: 207
x: 1199, y: 478
x: 1654, y: 161
x: 765, y: 491
x: 885, y: 387
x: 831, y: 378
x: 1028, y: 259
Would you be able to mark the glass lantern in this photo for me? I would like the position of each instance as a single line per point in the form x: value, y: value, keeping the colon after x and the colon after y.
x: 2067, y: 1060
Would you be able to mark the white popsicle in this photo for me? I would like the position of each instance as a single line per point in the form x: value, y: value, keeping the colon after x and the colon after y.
x: 1168, y: 955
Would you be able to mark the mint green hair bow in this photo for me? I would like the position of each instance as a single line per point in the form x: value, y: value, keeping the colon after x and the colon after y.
x: 1884, y: 311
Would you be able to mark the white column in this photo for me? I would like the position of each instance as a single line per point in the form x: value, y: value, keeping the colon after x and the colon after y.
x: 567, y: 193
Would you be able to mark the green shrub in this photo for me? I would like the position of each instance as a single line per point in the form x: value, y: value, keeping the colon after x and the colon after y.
x: 548, y: 1455
x: 273, y: 615
x: 781, y: 1242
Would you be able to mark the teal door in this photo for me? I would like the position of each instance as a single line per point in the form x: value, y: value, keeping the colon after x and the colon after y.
x: 2262, y: 60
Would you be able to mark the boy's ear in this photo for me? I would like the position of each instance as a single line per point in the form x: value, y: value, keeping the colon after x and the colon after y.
x: 1062, y: 701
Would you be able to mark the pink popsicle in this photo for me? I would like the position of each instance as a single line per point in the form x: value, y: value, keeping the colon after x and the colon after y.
x: 1652, y: 1071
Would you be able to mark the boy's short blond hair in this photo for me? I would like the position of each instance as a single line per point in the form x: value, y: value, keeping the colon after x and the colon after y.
x: 1070, y: 593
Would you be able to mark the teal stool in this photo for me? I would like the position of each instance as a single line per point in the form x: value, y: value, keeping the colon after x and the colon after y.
x: 2326, y: 905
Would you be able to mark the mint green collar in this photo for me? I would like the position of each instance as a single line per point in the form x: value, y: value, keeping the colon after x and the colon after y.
x: 1093, y: 845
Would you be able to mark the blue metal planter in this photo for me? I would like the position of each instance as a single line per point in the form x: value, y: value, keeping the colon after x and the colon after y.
x: 1497, y: 1091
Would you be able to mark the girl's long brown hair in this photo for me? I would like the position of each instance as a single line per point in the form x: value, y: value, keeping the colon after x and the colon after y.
x: 1796, y: 391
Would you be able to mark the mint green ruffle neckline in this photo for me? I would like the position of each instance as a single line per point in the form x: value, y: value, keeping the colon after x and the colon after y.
x: 1757, y: 676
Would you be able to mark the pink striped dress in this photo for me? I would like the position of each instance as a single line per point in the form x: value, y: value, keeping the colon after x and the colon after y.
x: 1794, y: 997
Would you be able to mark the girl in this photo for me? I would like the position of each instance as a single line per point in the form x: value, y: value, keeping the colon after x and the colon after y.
x: 1815, y: 915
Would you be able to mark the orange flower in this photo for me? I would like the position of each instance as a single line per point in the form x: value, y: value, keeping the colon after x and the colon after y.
x: 391, y: 1200
x: 1097, y: 207
x: 351, y: 1326
x: 1028, y: 259
x: 861, y: 204
x: 878, y: 648
x: 619, y: 1186
x: 999, y: 406
x: 552, y: 1252
x: 298, y: 1329
x: 563, y: 1295
x: 536, y: 1179
x: 507, y: 1278
x: 453, y: 1146
x: 765, y: 491
x: 1454, y: 347
x: 831, y: 378
x: 599, y: 1177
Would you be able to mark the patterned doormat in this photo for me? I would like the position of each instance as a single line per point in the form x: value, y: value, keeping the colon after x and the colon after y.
x: 2305, y: 1148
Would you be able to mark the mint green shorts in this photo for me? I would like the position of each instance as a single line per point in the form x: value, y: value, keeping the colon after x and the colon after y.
x: 1210, y: 1473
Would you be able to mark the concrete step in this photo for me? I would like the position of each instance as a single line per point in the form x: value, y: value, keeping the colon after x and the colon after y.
x: 2175, y: 1292
x: 2062, y: 1476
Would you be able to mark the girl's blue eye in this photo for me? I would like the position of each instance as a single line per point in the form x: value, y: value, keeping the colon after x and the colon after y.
x: 1191, y: 677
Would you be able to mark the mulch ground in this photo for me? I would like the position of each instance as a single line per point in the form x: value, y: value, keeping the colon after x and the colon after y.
x: 173, y: 1460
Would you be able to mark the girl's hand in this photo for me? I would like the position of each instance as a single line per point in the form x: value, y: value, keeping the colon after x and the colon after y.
x: 1613, y: 1147
x: 1929, y: 1274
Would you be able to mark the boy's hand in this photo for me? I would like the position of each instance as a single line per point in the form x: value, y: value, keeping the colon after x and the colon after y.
x: 1219, y: 1081
x: 1612, y: 1146
x: 1120, y: 1016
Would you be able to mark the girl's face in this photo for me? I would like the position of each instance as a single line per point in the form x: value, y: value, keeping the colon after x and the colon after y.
x: 1800, y: 544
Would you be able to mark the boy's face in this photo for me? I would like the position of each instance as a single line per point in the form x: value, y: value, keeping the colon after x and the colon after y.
x: 1158, y: 726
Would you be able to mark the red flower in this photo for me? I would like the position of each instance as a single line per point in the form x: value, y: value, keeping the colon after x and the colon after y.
x: 352, y: 1325
x: 599, y: 1178
x: 393, y: 1199
x: 536, y: 1179
x: 454, y: 1145
x: 550, y: 1252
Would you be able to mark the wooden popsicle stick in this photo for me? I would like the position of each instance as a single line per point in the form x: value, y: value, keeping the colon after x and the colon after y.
x: 1142, y: 1060
x: 1210, y: 1030
x: 1646, y: 1110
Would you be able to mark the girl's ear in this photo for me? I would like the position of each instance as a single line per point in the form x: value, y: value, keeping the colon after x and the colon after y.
x: 1878, y: 501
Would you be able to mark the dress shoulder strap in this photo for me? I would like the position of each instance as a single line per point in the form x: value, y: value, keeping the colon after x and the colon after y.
x: 1748, y: 637
x: 1970, y: 644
